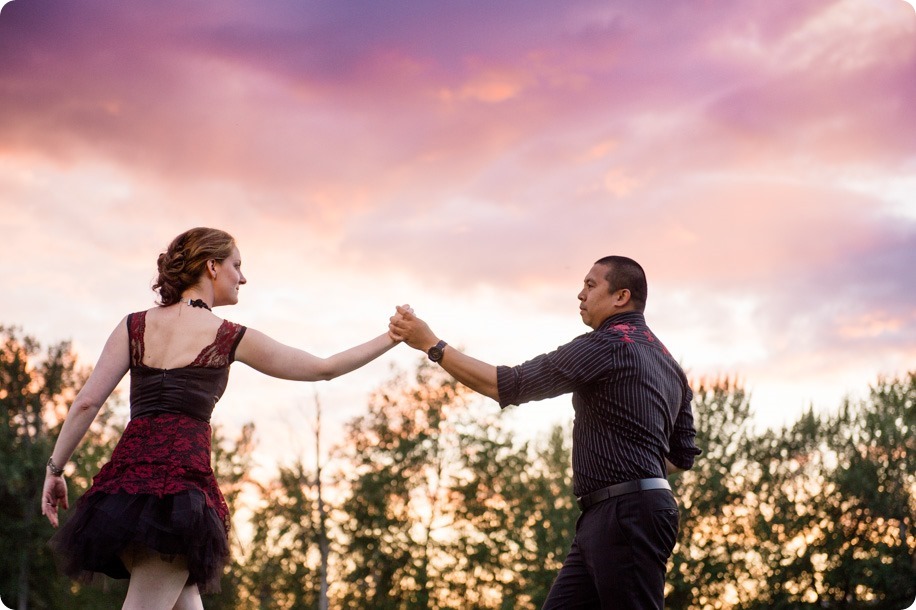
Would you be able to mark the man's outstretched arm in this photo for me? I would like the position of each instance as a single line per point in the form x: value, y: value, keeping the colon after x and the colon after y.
x: 475, y: 374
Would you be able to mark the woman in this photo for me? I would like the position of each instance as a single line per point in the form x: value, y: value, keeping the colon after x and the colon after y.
x: 154, y: 513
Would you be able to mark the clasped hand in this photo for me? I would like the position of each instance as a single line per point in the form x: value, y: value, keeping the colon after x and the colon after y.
x: 407, y: 327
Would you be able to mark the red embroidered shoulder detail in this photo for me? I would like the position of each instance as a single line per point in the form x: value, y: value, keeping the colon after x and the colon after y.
x: 136, y: 327
x: 218, y: 353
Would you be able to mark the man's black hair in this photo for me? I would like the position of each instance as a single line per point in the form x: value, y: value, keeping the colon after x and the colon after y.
x: 626, y: 273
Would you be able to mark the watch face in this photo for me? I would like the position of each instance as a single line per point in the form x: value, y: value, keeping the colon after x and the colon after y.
x: 435, y: 352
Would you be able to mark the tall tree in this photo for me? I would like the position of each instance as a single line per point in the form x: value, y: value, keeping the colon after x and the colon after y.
x: 515, y: 516
x: 287, y: 561
x: 36, y: 388
x: 283, y: 561
x: 790, y: 480
x: 835, y: 506
x: 550, y: 515
x: 232, y: 461
x: 710, y: 556
x: 874, y: 542
x: 444, y: 509
x: 397, y: 485
x: 321, y: 515
x: 819, y: 514
x: 844, y: 532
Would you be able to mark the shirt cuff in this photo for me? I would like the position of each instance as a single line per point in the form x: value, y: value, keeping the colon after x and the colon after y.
x: 684, y: 458
x: 506, y: 385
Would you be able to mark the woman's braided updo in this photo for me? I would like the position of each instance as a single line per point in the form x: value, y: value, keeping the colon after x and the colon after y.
x: 181, y: 266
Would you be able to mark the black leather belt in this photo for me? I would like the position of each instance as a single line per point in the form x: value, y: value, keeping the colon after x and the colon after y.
x: 620, y: 489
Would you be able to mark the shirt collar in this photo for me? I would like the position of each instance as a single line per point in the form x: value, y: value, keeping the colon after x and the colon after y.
x: 626, y: 316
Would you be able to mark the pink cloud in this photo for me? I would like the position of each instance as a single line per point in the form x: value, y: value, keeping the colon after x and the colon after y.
x: 502, y: 145
x: 265, y: 96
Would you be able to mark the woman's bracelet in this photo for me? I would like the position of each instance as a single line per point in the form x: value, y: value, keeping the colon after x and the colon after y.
x: 54, y: 468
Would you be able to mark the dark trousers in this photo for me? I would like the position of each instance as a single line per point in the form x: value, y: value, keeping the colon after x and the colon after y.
x: 619, y: 555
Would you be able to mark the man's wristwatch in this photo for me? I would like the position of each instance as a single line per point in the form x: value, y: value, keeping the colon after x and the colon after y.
x: 435, y: 352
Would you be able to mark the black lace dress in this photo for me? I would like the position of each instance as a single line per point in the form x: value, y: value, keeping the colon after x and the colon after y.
x: 158, y: 490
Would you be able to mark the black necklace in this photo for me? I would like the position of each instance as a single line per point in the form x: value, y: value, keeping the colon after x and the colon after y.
x: 198, y: 303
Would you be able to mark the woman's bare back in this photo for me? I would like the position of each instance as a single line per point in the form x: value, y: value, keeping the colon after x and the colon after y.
x: 176, y: 335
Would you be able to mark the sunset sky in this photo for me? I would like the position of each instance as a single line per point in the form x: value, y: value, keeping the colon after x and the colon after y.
x: 473, y: 159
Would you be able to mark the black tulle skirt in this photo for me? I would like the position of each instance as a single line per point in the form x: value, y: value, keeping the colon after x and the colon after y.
x: 103, y: 525
x: 158, y: 491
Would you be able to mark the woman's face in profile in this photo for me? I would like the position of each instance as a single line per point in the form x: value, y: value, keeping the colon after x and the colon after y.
x: 229, y: 278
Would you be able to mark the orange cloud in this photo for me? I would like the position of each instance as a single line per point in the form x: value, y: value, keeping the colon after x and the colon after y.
x: 743, y: 152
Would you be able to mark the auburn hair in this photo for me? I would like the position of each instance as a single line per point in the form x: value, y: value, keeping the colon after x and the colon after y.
x: 185, y: 260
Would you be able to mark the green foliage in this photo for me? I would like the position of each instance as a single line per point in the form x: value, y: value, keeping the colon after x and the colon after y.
x: 35, y: 388
x: 517, y: 505
x: 281, y: 565
x: 868, y: 542
x: 398, y: 484
x: 231, y: 465
x: 437, y: 506
x: 819, y: 514
x: 714, y: 498
x: 443, y: 509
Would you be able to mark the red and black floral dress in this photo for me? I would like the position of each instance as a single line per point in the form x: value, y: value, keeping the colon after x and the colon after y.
x: 159, y: 490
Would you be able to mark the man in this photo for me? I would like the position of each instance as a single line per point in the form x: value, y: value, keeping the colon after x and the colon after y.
x: 633, y: 426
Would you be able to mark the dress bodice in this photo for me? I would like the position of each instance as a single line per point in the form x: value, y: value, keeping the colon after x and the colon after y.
x: 191, y: 390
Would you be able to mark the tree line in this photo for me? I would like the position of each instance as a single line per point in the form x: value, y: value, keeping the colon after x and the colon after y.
x: 434, y: 503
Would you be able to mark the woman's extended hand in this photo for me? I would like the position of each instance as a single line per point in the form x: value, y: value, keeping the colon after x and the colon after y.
x: 392, y: 332
x: 407, y: 327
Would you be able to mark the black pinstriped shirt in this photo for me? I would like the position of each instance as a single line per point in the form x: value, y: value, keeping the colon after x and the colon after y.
x: 631, y: 399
